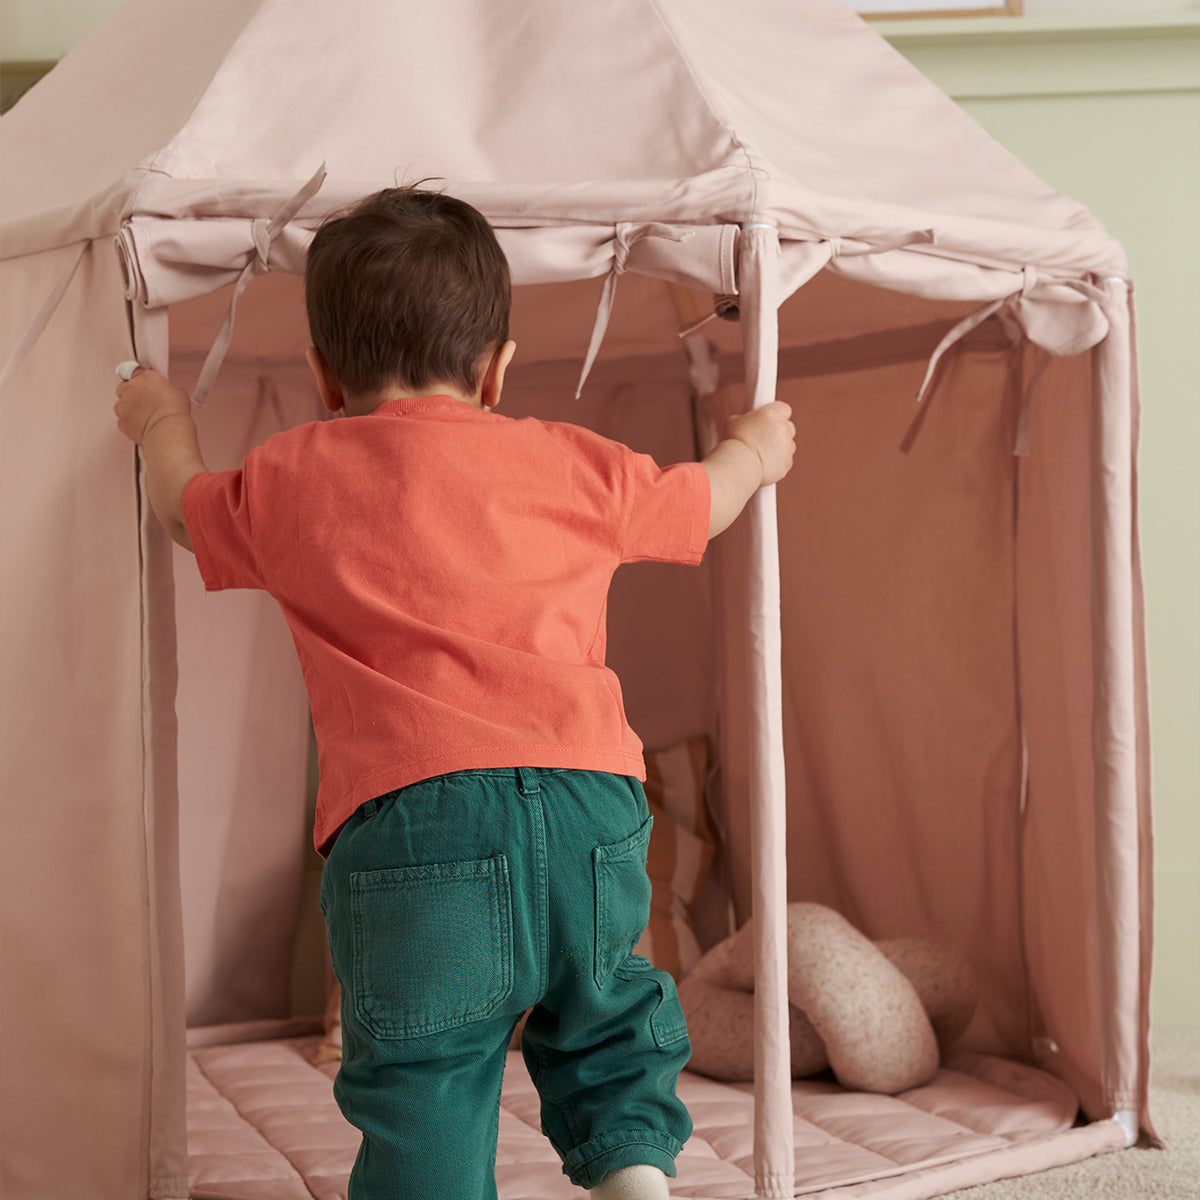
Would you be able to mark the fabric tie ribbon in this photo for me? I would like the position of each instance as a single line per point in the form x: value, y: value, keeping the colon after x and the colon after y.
x: 42, y: 317
x: 1029, y: 283
x: 626, y: 235
x: 263, y: 232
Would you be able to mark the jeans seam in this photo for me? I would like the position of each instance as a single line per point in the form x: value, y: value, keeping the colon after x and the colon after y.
x: 538, y: 815
x: 563, y: 1106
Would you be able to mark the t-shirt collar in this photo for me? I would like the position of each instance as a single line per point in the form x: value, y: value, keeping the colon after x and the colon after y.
x: 449, y: 405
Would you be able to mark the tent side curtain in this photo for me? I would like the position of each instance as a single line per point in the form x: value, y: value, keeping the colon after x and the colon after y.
x: 79, y: 869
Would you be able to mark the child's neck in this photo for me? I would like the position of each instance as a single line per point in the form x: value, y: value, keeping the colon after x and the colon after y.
x: 368, y: 402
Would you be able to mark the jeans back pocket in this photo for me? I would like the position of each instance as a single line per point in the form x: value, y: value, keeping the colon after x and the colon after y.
x: 432, y: 945
x: 622, y: 899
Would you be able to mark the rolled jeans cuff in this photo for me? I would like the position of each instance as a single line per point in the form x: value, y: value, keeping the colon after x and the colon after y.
x: 587, y: 1165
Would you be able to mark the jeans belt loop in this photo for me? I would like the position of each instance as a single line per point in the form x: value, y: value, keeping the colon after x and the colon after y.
x: 528, y: 781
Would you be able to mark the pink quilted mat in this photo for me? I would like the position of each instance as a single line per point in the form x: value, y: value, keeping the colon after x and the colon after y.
x: 262, y: 1125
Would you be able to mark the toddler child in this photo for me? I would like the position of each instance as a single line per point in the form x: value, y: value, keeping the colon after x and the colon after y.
x: 444, y: 572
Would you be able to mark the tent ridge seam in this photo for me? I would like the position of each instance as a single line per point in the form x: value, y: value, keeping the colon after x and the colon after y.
x: 752, y: 164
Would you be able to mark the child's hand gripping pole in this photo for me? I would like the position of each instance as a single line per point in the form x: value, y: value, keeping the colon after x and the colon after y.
x: 152, y: 412
x: 757, y: 450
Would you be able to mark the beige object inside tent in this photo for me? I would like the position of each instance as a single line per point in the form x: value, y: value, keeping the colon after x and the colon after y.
x: 925, y: 652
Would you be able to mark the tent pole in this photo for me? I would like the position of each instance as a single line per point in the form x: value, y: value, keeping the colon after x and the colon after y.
x: 165, y: 1099
x: 1115, y: 742
x: 774, y: 1149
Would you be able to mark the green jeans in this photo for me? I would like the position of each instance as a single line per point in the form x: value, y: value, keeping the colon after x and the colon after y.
x: 455, y: 905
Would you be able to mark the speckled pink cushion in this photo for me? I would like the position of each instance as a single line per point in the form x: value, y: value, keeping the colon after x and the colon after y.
x: 863, y: 1009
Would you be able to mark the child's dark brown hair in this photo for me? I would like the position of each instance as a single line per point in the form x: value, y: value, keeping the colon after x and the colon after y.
x: 409, y: 287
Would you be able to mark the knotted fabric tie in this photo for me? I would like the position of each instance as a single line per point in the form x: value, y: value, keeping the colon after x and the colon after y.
x: 626, y: 236
x: 1029, y: 282
x: 264, y: 233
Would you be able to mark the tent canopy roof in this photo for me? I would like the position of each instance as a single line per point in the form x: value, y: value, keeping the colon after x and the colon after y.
x: 541, y: 113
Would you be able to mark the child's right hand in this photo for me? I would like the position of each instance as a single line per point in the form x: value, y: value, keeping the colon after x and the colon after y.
x: 146, y: 399
x: 769, y: 432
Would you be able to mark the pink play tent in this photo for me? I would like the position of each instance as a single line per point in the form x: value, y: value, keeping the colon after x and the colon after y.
x: 919, y: 662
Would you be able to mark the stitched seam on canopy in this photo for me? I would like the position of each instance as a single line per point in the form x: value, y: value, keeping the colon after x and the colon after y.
x: 751, y: 159
x: 283, y: 1154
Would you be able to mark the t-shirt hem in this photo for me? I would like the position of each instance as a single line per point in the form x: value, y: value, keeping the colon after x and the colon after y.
x: 332, y: 816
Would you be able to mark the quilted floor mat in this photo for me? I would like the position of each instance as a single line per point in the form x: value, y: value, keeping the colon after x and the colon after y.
x: 262, y: 1125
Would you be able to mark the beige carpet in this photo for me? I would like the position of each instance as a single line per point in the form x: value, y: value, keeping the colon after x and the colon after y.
x: 1171, y: 1174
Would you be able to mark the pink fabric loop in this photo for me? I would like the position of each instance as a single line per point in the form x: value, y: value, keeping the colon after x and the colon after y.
x: 625, y: 236
x: 263, y: 233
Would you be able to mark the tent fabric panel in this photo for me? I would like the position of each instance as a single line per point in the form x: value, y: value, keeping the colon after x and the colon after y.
x: 837, y: 171
x: 243, y: 739
x: 1083, y: 700
x: 94, y: 110
x: 1056, y: 690
x: 860, y: 103
x: 76, y: 925
x: 701, y: 158
x: 471, y: 103
x: 898, y: 631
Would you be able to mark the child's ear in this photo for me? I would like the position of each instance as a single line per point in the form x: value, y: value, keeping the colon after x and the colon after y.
x: 332, y: 395
x: 492, y: 383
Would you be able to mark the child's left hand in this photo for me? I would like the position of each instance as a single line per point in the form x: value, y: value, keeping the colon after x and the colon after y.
x: 146, y: 399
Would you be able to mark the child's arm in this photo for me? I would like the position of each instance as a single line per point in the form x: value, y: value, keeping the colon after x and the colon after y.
x: 157, y: 415
x: 757, y: 450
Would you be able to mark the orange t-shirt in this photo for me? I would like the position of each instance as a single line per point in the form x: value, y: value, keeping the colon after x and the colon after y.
x: 445, y: 575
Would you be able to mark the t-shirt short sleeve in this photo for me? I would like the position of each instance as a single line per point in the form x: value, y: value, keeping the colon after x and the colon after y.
x: 216, y: 511
x: 667, y: 512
